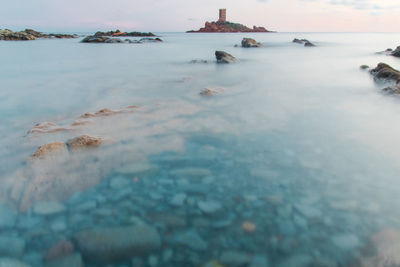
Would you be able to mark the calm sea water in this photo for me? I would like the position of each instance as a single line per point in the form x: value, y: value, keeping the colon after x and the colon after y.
x: 295, y: 163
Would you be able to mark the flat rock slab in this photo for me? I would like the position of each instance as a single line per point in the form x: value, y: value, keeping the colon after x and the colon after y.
x: 104, y: 245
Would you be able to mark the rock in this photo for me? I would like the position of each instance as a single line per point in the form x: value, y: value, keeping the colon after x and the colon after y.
x: 306, y: 42
x: 211, y: 91
x: 113, y: 41
x: 346, y: 241
x: 386, y: 249
x: 84, y: 141
x: 248, y: 226
x: 59, y: 250
x: 395, y: 90
x: 396, y: 52
x: 364, y: 67
x: 9, y: 262
x: 59, y: 225
x: 168, y: 219
x: 235, y: 258
x: 150, y: 40
x: 48, y: 208
x: 249, y: 42
x: 95, y: 39
x: 12, y: 246
x: 196, y: 61
x: 73, y: 260
x: 113, y: 244
x: 308, y: 211
x: 124, y: 34
x: 209, y: 206
x: 50, y: 150
x: 47, y: 127
x: 309, y: 44
x: 178, y: 199
x: 384, y: 71
x: 86, y: 206
x: 192, y: 240
x: 223, y: 57
x: 8, y: 216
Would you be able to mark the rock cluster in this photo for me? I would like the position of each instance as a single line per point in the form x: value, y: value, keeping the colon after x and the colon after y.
x: 305, y: 42
x: 103, y: 39
x: 29, y: 34
x: 118, y: 33
x: 224, y: 57
x: 391, y: 52
x: 249, y: 42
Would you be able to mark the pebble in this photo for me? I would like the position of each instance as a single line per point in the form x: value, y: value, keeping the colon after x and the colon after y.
x: 297, y: 260
x: 58, y: 226
x: 192, y: 240
x: 248, y: 226
x: 156, y: 196
x: 259, y: 261
x: 103, y: 212
x: 210, y: 206
x: 308, y: 211
x: 153, y: 261
x: 48, y: 208
x: 167, y: 255
x: 178, y: 199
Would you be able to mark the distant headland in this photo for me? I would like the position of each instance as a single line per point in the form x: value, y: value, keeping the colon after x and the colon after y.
x: 225, y: 26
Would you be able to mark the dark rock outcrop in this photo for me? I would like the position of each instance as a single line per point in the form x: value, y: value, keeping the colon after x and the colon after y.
x: 29, y: 34
x: 118, y: 33
x: 396, y: 52
x: 386, y: 72
x: 223, y: 57
x: 114, y: 244
x: 249, y: 42
x: 306, y: 42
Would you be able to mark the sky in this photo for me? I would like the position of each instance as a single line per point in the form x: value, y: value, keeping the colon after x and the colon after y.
x: 183, y: 15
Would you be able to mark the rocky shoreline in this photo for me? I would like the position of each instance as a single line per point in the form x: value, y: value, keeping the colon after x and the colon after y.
x: 29, y: 34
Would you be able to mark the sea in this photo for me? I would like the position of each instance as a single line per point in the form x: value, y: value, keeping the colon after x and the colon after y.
x: 294, y: 161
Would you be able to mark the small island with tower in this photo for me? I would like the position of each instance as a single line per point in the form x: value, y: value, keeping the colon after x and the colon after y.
x: 225, y: 26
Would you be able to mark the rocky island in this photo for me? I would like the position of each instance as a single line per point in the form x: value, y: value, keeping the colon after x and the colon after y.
x: 225, y: 26
x: 29, y: 34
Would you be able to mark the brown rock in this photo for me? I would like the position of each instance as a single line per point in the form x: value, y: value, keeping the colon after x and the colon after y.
x: 52, y: 149
x: 249, y: 42
x: 223, y: 57
x: 84, y: 141
x: 384, y: 71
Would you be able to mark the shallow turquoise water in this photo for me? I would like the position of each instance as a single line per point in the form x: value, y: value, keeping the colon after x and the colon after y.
x: 301, y: 143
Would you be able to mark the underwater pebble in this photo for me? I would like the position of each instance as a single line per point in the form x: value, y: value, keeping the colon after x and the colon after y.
x: 178, y: 199
x: 346, y: 241
x: 210, y: 206
x: 48, y: 208
x: 8, y: 216
x: 192, y: 240
x: 119, y: 182
x: 234, y: 258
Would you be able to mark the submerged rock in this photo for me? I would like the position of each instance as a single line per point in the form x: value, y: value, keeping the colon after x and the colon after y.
x: 113, y: 244
x: 223, y: 57
x: 84, y: 141
x: 192, y: 240
x: 249, y: 42
x: 210, y: 206
x: 395, y: 90
x: 52, y: 149
x: 364, y: 67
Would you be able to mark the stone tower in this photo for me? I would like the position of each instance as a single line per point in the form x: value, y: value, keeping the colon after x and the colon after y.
x: 222, y: 15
